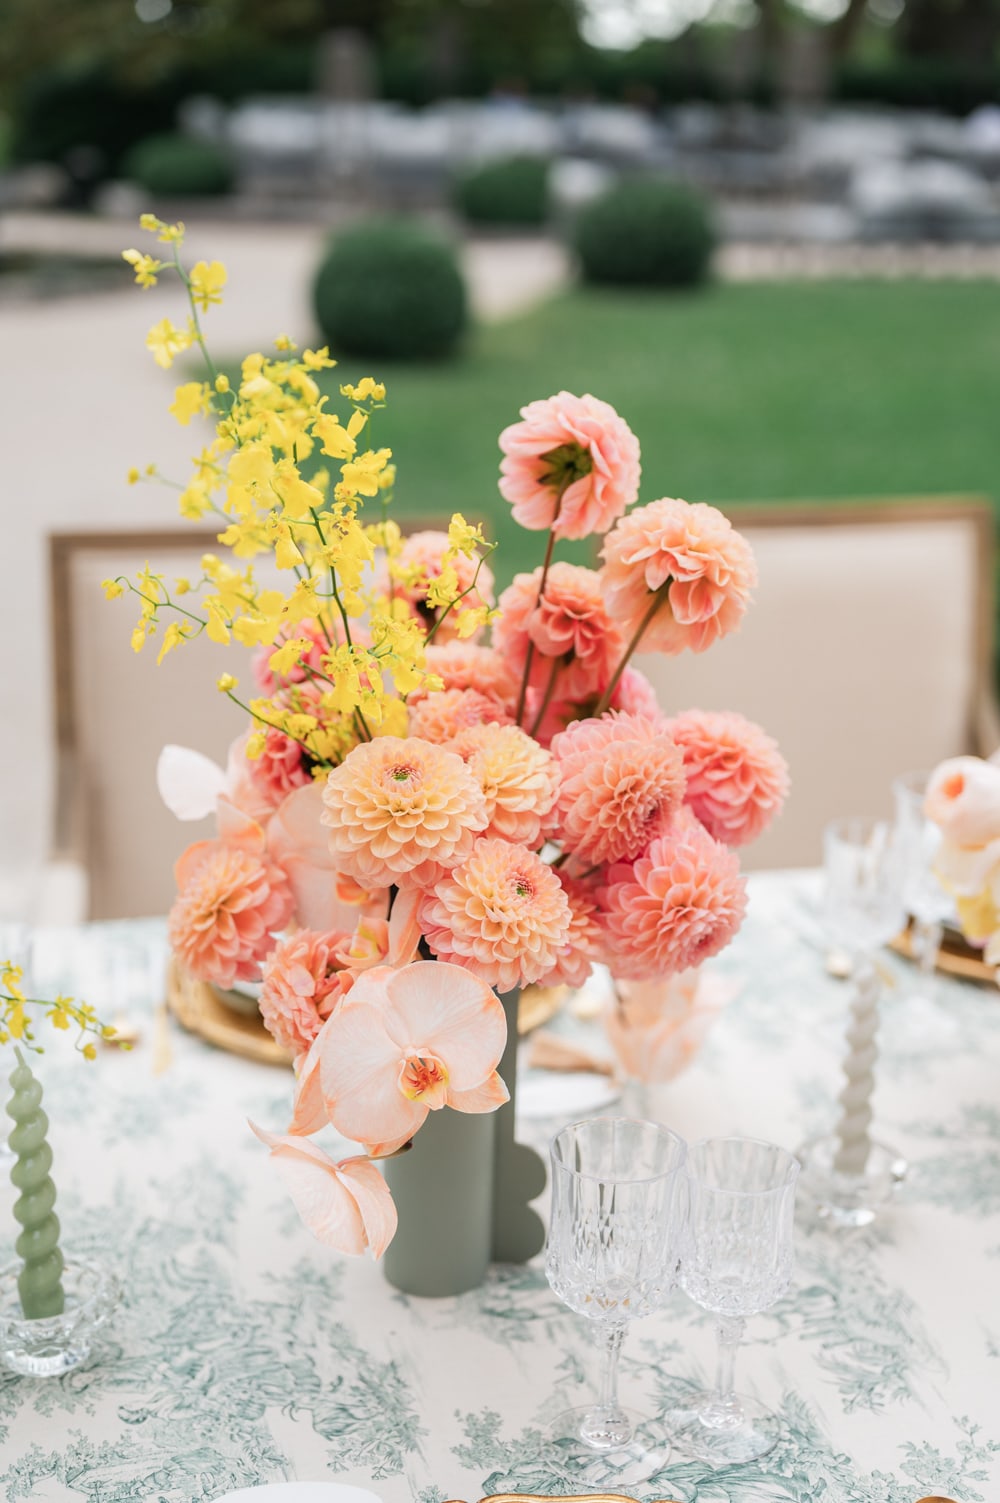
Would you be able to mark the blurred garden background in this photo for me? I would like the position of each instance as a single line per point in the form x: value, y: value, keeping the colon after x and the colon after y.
x: 767, y: 231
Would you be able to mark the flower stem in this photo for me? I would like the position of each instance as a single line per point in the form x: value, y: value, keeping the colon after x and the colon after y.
x: 546, y: 562
x: 651, y: 610
x: 557, y: 664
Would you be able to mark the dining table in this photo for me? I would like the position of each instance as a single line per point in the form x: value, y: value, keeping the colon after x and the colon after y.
x: 243, y: 1351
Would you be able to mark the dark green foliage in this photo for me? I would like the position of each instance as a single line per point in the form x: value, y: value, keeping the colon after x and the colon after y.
x: 171, y: 166
x: 390, y: 289
x: 511, y: 190
x: 645, y: 233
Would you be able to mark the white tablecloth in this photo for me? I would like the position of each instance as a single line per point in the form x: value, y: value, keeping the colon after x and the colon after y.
x: 245, y: 1352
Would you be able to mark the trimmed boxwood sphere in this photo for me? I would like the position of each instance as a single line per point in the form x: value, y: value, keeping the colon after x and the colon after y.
x: 512, y: 190
x: 179, y: 167
x: 390, y: 289
x: 646, y: 233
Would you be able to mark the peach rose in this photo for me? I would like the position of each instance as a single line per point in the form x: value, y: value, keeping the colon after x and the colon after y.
x: 963, y: 800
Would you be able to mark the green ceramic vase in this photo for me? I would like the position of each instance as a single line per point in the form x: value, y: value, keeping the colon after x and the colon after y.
x: 462, y: 1194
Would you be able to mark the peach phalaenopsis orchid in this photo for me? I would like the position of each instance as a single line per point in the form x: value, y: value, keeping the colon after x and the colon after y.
x: 406, y: 1041
x: 519, y: 810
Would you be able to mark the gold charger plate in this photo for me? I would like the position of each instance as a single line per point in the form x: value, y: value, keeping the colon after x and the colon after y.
x: 199, y: 1008
x: 202, y: 1009
x: 955, y: 957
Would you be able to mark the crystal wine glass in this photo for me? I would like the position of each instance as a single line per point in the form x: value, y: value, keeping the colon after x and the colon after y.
x: 736, y: 1260
x: 847, y: 1174
x: 614, y: 1235
x: 927, y: 902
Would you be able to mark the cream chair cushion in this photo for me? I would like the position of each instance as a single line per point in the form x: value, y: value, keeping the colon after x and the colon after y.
x: 865, y: 653
x: 115, y: 711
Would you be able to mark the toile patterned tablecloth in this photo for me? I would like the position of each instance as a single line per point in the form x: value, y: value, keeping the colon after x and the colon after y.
x: 245, y: 1352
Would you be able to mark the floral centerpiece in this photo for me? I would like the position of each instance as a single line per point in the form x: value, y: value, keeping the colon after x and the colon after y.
x: 415, y: 819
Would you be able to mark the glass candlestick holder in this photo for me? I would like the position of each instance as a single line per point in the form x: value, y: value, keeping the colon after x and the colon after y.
x: 56, y: 1344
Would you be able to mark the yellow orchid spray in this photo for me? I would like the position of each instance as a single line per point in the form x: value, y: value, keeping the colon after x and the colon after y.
x: 286, y: 478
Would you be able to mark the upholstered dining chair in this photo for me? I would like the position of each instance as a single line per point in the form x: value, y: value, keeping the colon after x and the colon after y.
x: 867, y: 652
x: 114, y: 710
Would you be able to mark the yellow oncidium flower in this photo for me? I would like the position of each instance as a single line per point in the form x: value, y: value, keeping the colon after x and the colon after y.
x: 207, y: 281
x: 63, y: 1013
x: 169, y: 234
x: 361, y: 475
x: 286, y: 657
x: 190, y: 399
x: 226, y: 683
x: 133, y: 477
x: 282, y: 342
x: 334, y: 437
x: 464, y: 537
x: 317, y: 360
x: 365, y: 391
x: 112, y: 588
x: 145, y: 267
x: 167, y: 341
x: 172, y: 637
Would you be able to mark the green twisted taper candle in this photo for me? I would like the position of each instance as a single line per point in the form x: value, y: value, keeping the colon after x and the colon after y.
x: 40, y: 1281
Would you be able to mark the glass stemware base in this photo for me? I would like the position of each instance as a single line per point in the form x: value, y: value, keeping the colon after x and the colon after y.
x: 848, y: 1200
x: 608, y: 1449
x: 56, y: 1344
x: 722, y: 1431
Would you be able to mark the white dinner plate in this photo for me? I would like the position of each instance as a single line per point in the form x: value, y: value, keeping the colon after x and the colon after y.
x: 301, y: 1492
x: 546, y: 1093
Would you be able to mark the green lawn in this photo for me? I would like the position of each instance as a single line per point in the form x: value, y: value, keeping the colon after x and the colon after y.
x: 795, y: 391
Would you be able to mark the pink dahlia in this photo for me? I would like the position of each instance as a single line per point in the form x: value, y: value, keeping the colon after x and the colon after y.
x: 518, y: 777
x: 231, y: 902
x: 674, y: 907
x: 464, y: 665
x: 578, y: 446
x: 272, y: 776
x: 442, y: 716
x: 737, y: 779
x: 688, y: 558
x: 419, y: 563
x: 400, y: 809
x: 621, y: 781
x: 501, y: 914
x: 570, y: 623
x: 584, y: 939
x: 634, y: 693
x: 303, y: 982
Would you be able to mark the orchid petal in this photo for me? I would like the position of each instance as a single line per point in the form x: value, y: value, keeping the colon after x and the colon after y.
x: 482, y: 1098
x: 309, y: 1112
x: 359, y: 1069
x: 450, y: 1012
x: 404, y: 927
x: 297, y: 841
x: 237, y: 828
x: 336, y: 1202
x: 189, y: 782
x: 374, y: 1201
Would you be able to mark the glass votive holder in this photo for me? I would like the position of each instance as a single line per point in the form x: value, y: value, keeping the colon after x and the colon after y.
x: 56, y: 1344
